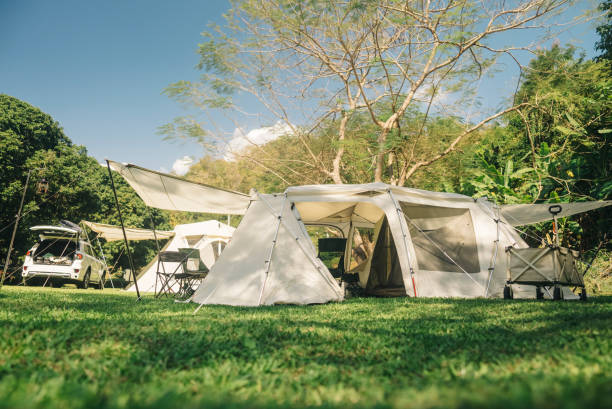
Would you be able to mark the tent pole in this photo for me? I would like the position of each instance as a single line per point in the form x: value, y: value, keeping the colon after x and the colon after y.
x: 105, y: 263
x: 494, y: 261
x: 127, y: 247
x: 158, y: 249
x: 399, y: 210
x: 269, y: 260
x: 18, y: 217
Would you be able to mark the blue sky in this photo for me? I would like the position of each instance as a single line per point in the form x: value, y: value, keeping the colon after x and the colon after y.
x: 99, y: 68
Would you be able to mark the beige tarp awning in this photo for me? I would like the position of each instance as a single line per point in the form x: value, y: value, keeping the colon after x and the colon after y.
x: 114, y: 233
x: 523, y: 214
x: 169, y: 192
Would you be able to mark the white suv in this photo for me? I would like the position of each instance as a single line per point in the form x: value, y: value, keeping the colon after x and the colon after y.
x: 63, y: 257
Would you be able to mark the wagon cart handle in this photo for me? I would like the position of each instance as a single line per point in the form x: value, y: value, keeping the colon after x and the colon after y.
x: 555, y: 210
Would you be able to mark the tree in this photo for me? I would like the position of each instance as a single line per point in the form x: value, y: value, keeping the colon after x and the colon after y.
x: 604, y: 45
x: 309, y: 63
x: 557, y: 143
x: 79, y: 188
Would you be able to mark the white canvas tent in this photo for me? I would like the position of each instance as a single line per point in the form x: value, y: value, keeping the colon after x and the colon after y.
x: 271, y: 260
x: 210, y: 237
x: 427, y: 244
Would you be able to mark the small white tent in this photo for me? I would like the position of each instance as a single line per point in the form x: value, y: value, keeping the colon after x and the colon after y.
x: 271, y: 260
x: 210, y: 237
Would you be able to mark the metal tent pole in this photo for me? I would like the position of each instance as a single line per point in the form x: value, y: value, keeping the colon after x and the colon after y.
x: 18, y: 217
x: 105, y: 263
x: 493, y: 263
x: 269, y: 259
x: 158, y: 250
x: 399, y: 211
x: 555, y: 210
x: 127, y: 247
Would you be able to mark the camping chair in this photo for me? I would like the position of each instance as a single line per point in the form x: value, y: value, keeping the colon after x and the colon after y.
x: 167, y: 280
x: 194, y: 271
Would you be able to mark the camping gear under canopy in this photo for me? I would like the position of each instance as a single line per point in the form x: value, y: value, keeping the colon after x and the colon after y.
x: 170, y: 192
x: 114, y: 233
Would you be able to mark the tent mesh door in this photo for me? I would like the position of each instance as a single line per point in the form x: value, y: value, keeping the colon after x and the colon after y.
x: 385, y: 277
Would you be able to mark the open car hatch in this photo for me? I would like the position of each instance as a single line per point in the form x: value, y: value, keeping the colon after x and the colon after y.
x: 55, y: 232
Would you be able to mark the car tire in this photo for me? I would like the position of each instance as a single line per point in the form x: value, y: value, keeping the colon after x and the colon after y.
x: 85, y: 283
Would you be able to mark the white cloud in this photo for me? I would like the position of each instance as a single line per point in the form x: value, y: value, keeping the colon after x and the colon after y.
x: 258, y: 136
x: 181, y: 166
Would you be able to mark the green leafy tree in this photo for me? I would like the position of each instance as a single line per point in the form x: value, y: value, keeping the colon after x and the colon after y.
x: 604, y: 45
x: 559, y: 141
x: 79, y: 188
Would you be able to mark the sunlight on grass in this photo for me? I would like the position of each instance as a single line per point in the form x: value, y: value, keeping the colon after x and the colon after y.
x: 66, y: 348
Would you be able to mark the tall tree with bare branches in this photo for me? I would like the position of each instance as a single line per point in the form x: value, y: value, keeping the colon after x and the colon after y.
x: 322, y: 61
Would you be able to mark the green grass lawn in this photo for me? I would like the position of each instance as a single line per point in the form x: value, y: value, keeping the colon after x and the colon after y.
x: 66, y: 348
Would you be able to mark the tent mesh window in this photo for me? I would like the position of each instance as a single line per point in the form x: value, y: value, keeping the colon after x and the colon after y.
x: 433, y: 228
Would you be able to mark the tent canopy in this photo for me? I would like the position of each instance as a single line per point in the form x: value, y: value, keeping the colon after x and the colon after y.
x: 114, y: 233
x: 169, y: 192
x: 524, y: 214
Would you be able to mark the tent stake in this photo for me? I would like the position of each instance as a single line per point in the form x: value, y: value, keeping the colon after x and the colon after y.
x: 18, y: 217
x: 127, y: 247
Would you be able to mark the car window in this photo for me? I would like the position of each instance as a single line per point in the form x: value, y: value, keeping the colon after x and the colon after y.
x: 55, y: 248
x: 87, y: 249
